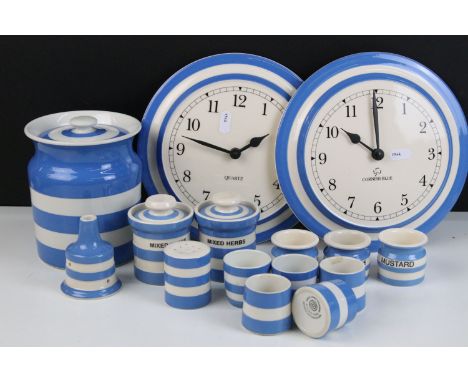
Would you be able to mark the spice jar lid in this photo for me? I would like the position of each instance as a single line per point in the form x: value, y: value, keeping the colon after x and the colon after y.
x: 82, y: 128
x: 160, y: 209
x: 226, y: 206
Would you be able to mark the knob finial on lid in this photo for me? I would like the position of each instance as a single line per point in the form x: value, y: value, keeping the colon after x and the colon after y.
x: 83, y: 124
x: 160, y: 204
x: 226, y: 201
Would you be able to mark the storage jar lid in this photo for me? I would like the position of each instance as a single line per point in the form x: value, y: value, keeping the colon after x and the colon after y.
x: 160, y: 209
x: 82, y: 128
x: 226, y: 206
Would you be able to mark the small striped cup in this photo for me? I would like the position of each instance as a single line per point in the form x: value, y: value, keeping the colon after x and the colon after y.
x: 301, y: 270
x: 402, y: 257
x: 323, y: 307
x: 267, y: 304
x: 240, y: 265
x: 294, y: 241
x: 348, y: 269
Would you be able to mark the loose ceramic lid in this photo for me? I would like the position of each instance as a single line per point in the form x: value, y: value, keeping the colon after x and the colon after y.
x: 82, y: 128
x: 311, y: 312
x: 188, y: 249
x: 160, y: 209
x: 226, y: 206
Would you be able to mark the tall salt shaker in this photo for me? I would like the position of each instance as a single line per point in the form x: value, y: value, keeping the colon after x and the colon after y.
x: 156, y: 223
x: 226, y: 224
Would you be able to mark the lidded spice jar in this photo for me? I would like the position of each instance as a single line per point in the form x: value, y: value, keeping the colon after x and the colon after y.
x: 156, y: 223
x: 84, y: 164
x: 225, y: 224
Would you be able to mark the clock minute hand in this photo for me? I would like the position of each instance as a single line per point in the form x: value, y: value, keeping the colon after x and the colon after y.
x: 207, y: 144
x: 375, y: 114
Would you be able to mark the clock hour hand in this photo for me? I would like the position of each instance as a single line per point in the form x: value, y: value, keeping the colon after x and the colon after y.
x: 254, y: 142
x: 207, y: 144
x: 356, y: 138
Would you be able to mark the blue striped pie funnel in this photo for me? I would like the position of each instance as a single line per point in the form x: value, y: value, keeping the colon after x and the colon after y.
x: 89, y: 264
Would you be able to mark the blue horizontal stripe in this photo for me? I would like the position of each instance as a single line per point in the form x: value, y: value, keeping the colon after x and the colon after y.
x: 277, y: 251
x: 149, y: 277
x: 332, y: 301
x: 402, y: 254
x: 91, y: 294
x: 234, y: 288
x: 295, y: 276
x: 186, y: 263
x: 353, y: 281
x: 90, y: 276
x: 401, y: 270
x: 161, y: 235
x: 240, y: 272
x: 146, y: 254
x: 266, y: 327
x: 187, y: 281
x: 69, y: 224
x: 237, y: 304
x: 219, y: 253
x: 267, y: 300
x: 187, y: 302
x: 230, y: 232
x: 350, y: 298
x: 361, y: 303
x: 217, y: 275
x: 56, y: 257
x: 386, y: 280
x: 360, y: 254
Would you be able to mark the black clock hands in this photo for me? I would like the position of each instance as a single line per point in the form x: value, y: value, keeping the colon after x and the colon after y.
x: 378, y: 153
x: 207, y: 144
x: 356, y: 138
x: 234, y: 153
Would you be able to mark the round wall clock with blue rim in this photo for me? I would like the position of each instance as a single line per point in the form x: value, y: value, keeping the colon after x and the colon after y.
x: 372, y: 141
x: 212, y: 126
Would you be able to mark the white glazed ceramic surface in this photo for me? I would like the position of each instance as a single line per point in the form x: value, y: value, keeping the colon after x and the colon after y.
x: 294, y: 239
x: 347, y: 239
x: 403, y: 238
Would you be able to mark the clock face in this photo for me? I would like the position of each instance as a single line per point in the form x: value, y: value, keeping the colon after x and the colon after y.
x: 222, y: 137
x: 349, y: 182
x: 212, y: 128
x: 369, y: 142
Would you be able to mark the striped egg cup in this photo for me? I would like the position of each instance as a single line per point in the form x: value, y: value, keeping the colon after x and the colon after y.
x: 348, y: 269
x: 322, y: 308
x: 267, y: 304
x: 301, y: 270
x: 402, y: 257
x: 348, y: 243
x: 187, y: 275
x: 294, y: 241
x: 238, y: 267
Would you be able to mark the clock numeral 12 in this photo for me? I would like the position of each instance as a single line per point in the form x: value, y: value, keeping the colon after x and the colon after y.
x: 239, y: 100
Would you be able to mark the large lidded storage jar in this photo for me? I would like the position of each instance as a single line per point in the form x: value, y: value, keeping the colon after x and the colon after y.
x: 84, y: 164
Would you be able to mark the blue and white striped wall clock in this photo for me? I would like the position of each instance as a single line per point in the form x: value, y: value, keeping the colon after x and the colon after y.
x: 372, y: 141
x: 211, y: 127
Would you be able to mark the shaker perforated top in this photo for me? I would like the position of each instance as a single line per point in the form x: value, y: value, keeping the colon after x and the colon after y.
x: 82, y: 128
